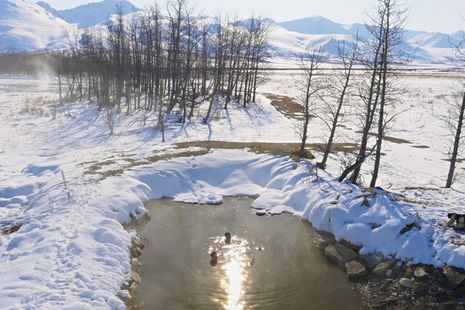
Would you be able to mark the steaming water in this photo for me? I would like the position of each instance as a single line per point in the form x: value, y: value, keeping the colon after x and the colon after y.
x: 271, y: 262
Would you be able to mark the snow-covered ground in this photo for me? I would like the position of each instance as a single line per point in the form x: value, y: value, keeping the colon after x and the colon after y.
x: 417, y: 154
x: 71, y: 187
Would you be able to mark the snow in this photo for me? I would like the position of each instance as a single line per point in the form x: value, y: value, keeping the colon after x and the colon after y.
x: 314, y: 25
x: 72, y: 187
x: 26, y: 26
x: 94, y: 13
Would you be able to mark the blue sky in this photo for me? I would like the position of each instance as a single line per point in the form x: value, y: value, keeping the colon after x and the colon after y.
x: 430, y: 15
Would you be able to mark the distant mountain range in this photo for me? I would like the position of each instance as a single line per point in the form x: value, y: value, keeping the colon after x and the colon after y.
x: 320, y: 32
x: 91, y: 14
x: 26, y: 26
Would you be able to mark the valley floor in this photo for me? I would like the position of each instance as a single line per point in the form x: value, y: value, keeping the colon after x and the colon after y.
x: 67, y: 186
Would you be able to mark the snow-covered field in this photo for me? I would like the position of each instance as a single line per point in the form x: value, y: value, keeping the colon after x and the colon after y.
x: 417, y: 154
x: 71, y: 186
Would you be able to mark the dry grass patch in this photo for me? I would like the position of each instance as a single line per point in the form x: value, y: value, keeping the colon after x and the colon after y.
x: 284, y: 149
x: 286, y: 106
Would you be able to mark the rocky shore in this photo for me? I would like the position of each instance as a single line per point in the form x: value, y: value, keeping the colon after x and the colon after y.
x: 387, y: 283
x: 130, y: 288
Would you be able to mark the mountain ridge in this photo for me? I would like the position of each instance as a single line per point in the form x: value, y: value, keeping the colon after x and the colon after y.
x: 287, y: 38
x: 91, y: 14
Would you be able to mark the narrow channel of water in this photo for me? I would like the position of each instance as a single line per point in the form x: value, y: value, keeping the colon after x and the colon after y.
x: 271, y: 262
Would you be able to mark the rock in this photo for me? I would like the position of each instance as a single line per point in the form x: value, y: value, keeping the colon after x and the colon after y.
x: 421, y: 289
x: 332, y: 254
x: 349, y: 245
x: 261, y: 212
x: 133, y: 289
x: 397, y: 267
x: 355, y: 270
x: 454, y: 277
x: 135, y: 264
x: 405, y: 282
x: 329, y: 238
x: 321, y: 243
x: 382, y: 268
x: 139, y: 243
x: 136, y: 277
x: 408, y: 272
x: 339, y: 254
x: 346, y: 253
x: 371, y: 260
x: 389, y: 273
x: 136, y: 251
x: 420, y: 272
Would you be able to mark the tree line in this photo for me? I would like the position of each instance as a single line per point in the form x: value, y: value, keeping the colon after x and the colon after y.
x: 162, y: 60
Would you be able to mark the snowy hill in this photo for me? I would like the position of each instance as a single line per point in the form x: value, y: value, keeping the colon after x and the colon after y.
x: 91, y: 14
x: 285, y: 43
x: 27, y: 27
x: 51, y: 28
x: 313, y: 25
x: 291, y: 37
x: 49, y: 9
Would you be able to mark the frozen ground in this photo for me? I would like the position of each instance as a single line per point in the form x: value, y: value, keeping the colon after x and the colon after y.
x: 71, y: 186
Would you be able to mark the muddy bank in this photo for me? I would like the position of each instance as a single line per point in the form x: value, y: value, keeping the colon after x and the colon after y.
x: 285, y: 149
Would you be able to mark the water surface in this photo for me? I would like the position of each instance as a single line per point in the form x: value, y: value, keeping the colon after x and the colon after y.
x: 271, y: 262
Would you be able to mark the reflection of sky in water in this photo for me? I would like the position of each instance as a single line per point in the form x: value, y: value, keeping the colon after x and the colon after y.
x: 234, y: 263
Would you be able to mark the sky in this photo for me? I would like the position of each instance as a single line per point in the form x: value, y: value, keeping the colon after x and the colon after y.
x: 429, y: 15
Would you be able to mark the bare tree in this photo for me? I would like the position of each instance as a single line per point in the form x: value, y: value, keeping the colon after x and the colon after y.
x: 310, y: 85
x: 340, y: 84
x: 454, y: 122
x: 454, y: 118
x: 382, y: 60
x: 395, y: 16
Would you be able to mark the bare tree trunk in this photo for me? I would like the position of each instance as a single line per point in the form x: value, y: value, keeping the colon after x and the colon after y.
x: 310, y: 62
x: 307, y: 119
x: 458, y: 138
x: 348, y: 65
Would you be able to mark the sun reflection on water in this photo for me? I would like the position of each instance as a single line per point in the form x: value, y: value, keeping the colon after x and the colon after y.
x: 234, y: 265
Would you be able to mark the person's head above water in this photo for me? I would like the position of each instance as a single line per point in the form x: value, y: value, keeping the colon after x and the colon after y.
x: 227, y: 238
x: 213, y: 258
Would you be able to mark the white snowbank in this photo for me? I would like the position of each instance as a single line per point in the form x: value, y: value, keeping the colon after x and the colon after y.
x: 283, y: 186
